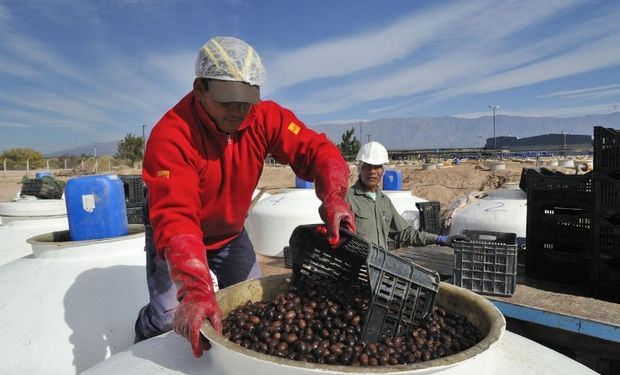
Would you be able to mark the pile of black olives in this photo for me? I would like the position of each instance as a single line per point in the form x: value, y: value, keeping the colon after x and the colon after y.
x: 308, y: 324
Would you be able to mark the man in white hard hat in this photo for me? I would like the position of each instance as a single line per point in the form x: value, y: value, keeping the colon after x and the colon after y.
x: 201, y: 166
x: 375, y: 215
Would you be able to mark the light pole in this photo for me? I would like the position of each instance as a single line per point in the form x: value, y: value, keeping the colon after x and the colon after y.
x: 359, y: 122
x: 494, y: 108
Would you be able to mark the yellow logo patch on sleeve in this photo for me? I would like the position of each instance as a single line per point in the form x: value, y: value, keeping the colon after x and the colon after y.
x: 164, y: 174
x: 294, y: 128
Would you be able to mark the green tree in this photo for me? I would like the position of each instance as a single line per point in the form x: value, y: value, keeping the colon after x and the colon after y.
x: 129, y: 148
x: 350, y: 145
x: 19, y: 156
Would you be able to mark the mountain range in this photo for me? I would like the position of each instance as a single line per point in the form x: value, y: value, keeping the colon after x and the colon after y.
x: 430, y: 132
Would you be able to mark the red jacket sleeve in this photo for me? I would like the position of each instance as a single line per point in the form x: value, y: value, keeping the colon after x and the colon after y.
x: 173, y: 182
x: 312, y: 156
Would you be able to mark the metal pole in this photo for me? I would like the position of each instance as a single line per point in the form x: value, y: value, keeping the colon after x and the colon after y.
x: 359, y: 123
x: 494, y: 137
x: 27, y: 165
x: 494, y: 108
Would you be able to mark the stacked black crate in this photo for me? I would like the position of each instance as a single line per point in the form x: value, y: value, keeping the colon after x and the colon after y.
x: 135, y: 193
x: 605, y: 268
x: 559, y: 224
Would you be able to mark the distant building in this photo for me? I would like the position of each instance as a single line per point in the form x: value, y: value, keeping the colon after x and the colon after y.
x: 542, y: 142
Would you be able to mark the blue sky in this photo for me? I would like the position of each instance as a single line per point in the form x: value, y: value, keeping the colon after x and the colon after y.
x: 76, y: 71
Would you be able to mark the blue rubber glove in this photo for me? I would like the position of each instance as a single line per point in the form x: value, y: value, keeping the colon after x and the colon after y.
x: 449, y: 240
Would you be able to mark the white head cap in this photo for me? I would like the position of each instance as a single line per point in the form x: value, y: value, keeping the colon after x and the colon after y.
x: 373, y: 153
x: 228, y: 59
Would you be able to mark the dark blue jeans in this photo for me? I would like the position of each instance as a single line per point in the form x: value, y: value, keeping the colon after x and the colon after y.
x: 233, y: 263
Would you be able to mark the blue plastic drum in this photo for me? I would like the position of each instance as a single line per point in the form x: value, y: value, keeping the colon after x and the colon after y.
x: 303, y: 184
x: 40, y: 175
x: 96, y: 207
x: 392, y: 180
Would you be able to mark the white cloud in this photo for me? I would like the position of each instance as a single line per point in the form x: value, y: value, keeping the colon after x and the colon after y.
x: 596, y: 109
x: 177, y: 68
x: 346, y: 55
x: 596, y: 55
x: 587, y: 93
x: 478, y: 54
x: 37, y: 56
x: 4, y: 14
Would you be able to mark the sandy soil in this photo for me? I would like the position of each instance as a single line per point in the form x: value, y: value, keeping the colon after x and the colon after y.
x: 443, y: 185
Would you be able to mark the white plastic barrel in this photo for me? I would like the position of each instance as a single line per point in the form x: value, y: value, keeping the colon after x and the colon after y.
x: 71, y: 304
x: 272, y: 220
x: 26, y: 217
x: 404, y: 203
x: 503, y: 210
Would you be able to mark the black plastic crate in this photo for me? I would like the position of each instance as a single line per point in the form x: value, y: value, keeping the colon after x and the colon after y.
x: 606, y: 281
x: 606, y: 194
x: 45, y: 188
x: 487, y: 264
x: 32, y: 187
x: 606, y: 239
x: 549, y: 189
x: 571, y: 270
x: 558, y: 231
x: 134, y: 215
x: 544, y: 171
x: 400, y: 292
x: 288, y: 260
x: 430, y: 218
x: 607, y: 150
x: 135, y: 191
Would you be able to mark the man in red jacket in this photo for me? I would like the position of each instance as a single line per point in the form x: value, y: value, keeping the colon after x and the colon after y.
x: 203, y: 161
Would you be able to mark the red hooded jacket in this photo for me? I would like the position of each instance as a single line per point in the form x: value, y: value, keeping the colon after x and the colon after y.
x: 201, y: 180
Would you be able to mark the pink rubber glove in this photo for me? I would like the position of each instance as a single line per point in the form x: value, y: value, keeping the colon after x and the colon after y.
x: 331, y: 178
x: 187, y: 264
x: 336, y: 213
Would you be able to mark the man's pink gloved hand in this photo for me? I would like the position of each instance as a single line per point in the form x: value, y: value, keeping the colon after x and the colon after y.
x: 187, y: 264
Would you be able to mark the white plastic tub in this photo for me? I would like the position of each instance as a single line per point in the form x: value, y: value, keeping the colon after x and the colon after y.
x: 501, y: 353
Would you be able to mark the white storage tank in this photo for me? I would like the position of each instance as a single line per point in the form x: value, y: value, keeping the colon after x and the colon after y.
x: 500, y: 352
x: 271, y: 221
x: 503, y: 210
x: 72, y: 303
x: 26, y: 217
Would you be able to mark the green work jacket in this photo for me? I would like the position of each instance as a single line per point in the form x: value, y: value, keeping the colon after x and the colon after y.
x: 378, y: 221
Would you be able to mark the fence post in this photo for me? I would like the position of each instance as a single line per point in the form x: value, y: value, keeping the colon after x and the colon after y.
x: 47, y: 164
x: 27, y: 166
x: 5, y: 175
x: 65, y: 163
x: 109, y: 164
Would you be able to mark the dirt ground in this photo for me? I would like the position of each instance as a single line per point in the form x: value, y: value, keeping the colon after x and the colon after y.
x: 443, y: 185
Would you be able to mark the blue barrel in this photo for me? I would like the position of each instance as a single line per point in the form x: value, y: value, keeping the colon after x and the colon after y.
x: 96, y: 207
x: 303, y: 184
x: 40, y: 175
x: 392, y: 180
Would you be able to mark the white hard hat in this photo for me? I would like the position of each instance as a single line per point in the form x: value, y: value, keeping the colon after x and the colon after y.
x: 235, y: 68
x: 373, y: 153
